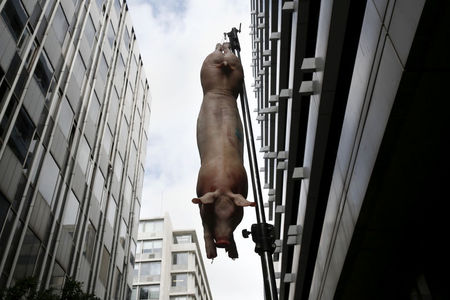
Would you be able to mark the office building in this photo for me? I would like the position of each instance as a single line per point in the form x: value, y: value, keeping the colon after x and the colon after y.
x: 169, y: 264
x: 74, y: 112
x: 352, y: 107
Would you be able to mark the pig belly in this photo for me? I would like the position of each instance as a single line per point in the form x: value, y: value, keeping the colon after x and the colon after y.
x: 222, y: 175
x: 220, y: 143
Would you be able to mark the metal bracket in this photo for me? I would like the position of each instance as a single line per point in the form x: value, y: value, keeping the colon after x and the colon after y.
x: 285, y: 93
x: 299, y: 173
x: 263, y: 235
x: 275, y: 36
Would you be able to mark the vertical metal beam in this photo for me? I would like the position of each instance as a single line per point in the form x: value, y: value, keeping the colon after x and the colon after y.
x: 270, y: 287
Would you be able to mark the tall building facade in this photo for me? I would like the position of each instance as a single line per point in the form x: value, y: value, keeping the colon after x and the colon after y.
x: 74, y: 113
x: 352, y: 110
x: 169, y: 264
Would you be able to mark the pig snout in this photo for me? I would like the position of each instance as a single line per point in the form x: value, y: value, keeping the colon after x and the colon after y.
x: 222, y: 243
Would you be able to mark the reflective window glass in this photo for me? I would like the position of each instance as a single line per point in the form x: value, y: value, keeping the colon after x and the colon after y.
x: 43, y: 72
x: 69, y: 219
x: 117, y: 5
x: 153, y: 248
x: 99, y: 182
x: 111, y: 34
x: 148, y: 292
x: 103, y: 68
x: 93, y: 113
x: 150, y: 271
x: 118, y: 168
x: 4, y: 206
x: 126, y: 38
x: 99, y: 3
x: 180, y: 298
x: 138, y: 247
x: 180, y: 258
x: 151, y: 226
x: 179, y: 280
x: 48, y: 178
x: 89, y: 31
x: 111, y: 211
x: 60, y: 24
x: 133, y: 293
x: 120, y: 69
x: 79, y: 69
x: 65, y: 117
x: 107, y: 141
x: 83, y: 154
x: 58, y: 276
x: 104, y: 266
x: 28, y: 256
x: 113, y: 108
x: 21, y: 135
x: 183, y: 239
x: 15, y: 17
x: 122, y: 233
x: 89, y: 242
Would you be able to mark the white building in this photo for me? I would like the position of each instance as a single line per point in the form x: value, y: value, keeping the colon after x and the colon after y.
x: 169, y: 264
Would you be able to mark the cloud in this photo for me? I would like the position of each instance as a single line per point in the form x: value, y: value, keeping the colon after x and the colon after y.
x: 174, y: 37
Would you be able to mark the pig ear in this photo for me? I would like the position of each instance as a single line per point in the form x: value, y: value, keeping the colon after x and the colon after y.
x: 239, y: 200
x: 207, y: 198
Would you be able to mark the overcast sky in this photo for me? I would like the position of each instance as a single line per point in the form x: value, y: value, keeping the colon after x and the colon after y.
x: 174, y: 37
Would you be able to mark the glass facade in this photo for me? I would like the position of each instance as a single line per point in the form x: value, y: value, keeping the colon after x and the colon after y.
x: 74, y: 114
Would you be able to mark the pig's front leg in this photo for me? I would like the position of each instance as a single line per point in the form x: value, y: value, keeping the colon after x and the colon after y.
x: 211, y: 251
x: 232, y: 250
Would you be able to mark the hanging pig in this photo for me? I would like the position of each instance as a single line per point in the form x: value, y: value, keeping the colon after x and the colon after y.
x: 222, y: 180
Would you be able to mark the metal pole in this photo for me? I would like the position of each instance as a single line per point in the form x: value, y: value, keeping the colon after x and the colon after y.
x: 270, y: 287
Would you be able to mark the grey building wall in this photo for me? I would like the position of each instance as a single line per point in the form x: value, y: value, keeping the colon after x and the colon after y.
x: 342, y: 89
x: 74, y: 113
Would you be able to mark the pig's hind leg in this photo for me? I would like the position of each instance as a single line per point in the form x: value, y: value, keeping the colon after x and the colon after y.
x: 211, y: 251
x: 232, y: 250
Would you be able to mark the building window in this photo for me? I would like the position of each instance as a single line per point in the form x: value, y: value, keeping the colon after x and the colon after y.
x: 111, y: 211
x: 122, y: 233
x: 151, y: 249
x: 155, y: 227
x: 179, y: 282
x: 89, y: 31
x: 99, y: 4
x: 43, y: 72
x: 180, y: 259
x: 103, y: 274
x: 133, y: 293
x: 65, y: 117
x: 84, y: 152
x: 183, y: 239
x: 69, y: 219
x: 111, y: 34
x: 28, y: 257
x: 150, y: 271
x: 58, y: 276
x: 48, y: 178
x: 89, y: 242
x: 60, y: 24
x: 79, y: 69
x: 118, y: 168
x: 21, y: 135
x: 103, y: 68
x: 15, y: 17
x: 126, y: 38
x: 149, y: 292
